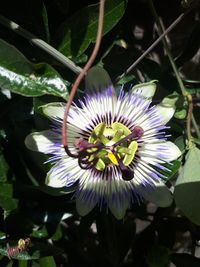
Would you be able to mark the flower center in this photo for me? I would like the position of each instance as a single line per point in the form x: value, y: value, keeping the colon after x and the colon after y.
x: 118, y: 145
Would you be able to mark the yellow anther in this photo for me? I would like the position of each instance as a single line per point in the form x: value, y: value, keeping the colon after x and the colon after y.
x: 112, y: 158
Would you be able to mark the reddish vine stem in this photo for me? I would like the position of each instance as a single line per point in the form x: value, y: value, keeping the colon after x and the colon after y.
x: 82, y: 74
x: 189, y: 118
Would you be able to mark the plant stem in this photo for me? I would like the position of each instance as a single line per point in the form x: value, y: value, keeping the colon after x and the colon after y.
x: 189, y: 117
x: 82, y: 74
x: 41, y: 44
x: 174, y: 23
x: 161, y: 30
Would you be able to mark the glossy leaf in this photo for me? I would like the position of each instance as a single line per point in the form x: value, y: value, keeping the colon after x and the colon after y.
x: 20, y: 76
x: 76, y: 39
x: 187, y: 187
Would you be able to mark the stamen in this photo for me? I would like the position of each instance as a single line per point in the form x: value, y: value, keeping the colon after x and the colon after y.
x: 90, y: 153
x: 127, y: 174
x: 136, y: 134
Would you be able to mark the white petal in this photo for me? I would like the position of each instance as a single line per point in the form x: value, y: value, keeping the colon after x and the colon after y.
x: 55, y: 180
x: 165, y: 112
x: 83, y: 208
x: 160, y: 194
x: 161, y: 151
x: 40, y: 141
x: 54, y: 110
x: 118, y: 207
x: 146, y: 90
x: 173, y: 151
x: 60, y: 174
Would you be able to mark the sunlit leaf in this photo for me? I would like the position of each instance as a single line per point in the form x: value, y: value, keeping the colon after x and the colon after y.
x: 187, y: 187
x: 20, y: 76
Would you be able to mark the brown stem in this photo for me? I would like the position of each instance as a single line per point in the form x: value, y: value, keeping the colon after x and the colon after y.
x: 174, y: 23
x: 189, y: 117
x: 82, y: 73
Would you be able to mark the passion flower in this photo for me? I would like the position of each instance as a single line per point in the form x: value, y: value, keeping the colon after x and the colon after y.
x: 116, y: 147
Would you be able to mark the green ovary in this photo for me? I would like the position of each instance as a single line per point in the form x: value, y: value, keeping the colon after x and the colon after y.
x: 109, y: 136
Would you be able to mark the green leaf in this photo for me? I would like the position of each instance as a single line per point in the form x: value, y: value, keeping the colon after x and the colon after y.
x: 196, y: 140
x: 127, y: 79
x: 171, y: 99
x: 40, y: 233
x: 7, y: 202
x: 47, y: 261
x: 96, y: 78
x: 180, y: 114
x: 23, y: 264
x: 20, y: 76
x: 177, y: 101
x: 58, y: 233
x: 13, y: 60
x: 159, y: 195
x: 187, y: 187
x: 46, y: 22
x: 180, y: 143
x: 81, y: 29
x: 173, y: 167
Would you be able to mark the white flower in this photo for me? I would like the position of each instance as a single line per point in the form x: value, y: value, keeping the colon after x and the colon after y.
x: 119, y: 147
